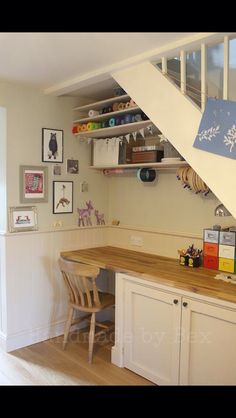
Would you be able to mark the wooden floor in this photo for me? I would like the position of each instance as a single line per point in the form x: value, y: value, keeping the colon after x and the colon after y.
x: 47, y: 364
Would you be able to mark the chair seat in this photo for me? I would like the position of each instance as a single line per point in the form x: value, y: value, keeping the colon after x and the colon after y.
x: 106, y: 299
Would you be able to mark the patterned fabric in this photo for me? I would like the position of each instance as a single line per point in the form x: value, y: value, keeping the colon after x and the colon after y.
x: 217, y: 130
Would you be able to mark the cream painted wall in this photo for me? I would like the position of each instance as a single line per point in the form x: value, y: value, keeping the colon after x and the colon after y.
x: 164, y: 205
x: 28, y: 111
x: 33, y: 301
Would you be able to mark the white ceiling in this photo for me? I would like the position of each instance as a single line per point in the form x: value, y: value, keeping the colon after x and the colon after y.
x: 45, y: 59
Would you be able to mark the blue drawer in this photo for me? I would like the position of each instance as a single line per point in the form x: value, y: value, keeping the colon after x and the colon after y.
x: 211, y: 235
x: 227, y: 238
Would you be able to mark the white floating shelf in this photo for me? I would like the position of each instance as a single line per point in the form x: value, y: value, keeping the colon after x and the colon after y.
x: 115, y: 130
x: 109, y: 115
x: 158, y: 166
x: 98, y: 105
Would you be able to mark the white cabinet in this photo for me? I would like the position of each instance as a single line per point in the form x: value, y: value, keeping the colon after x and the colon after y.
x: 151, y: 330
x: 208, y: 344
x: 173, y: 339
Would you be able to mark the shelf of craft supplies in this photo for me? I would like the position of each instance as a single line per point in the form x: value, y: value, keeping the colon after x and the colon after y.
x: 109, y: 115
x: 158, y: 166
x: 115, y: 130
x: 102, y: 103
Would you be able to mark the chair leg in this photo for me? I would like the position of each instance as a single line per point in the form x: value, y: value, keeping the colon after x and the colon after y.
x: 67, y: 327
x: 91, y: 337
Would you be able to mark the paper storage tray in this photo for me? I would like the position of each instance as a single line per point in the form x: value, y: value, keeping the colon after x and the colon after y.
x: 210, y: 249
x: 227, y: 238
x: 226, y: 251
x: 210, y: 262
x: 226, y: 264
x: 211, y: 235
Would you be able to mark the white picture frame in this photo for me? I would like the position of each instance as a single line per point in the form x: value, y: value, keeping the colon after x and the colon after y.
x: 23, y: 218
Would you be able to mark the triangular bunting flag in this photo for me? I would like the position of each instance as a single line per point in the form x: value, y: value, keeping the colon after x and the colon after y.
x: 142, y: 132
x: 127, y: 137
x: 150, y: 130
x: 134, y: 135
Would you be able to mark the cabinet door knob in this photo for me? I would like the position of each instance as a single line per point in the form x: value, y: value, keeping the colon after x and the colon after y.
x: 185, y: 304
x: 176, y: 301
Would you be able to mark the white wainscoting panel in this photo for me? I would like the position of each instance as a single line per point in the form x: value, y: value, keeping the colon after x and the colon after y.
x: 36, y: 297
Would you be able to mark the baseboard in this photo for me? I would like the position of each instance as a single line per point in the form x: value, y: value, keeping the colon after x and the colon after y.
x: 2, y: 341
x: 117, y: 356
x: 23, y: 339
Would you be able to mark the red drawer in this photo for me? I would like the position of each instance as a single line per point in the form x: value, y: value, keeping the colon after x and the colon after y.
x: 210, y: 249
x: 210, y: 262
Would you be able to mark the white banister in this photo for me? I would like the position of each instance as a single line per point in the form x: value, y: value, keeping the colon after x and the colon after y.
x: 203, y: 77
x: 183, y: 71
x: 226, y: 68
x: 164, y: 65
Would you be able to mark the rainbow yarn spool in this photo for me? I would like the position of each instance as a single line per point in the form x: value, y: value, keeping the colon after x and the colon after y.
x: 112, y: 122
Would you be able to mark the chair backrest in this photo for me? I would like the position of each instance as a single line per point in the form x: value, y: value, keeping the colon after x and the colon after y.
x: 80, y: 280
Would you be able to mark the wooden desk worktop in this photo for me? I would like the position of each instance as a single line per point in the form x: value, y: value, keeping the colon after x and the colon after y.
x: 157, y: 269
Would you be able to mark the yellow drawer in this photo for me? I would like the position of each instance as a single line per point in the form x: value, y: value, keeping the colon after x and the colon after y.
x: 226, y: 264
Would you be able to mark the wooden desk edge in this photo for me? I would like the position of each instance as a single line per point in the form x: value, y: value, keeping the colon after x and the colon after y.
x: 199, y: 280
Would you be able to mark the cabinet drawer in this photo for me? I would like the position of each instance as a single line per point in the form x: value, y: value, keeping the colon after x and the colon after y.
x: 227, y: 238
x: 226, y: 264
x: 210, y: 249
x: 211, y: 236
x: 226, y: 251
x: 210, y: 262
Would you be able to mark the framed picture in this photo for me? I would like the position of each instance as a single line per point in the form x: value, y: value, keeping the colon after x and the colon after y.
x: 52, y: 145
x: 72, y: 166
x: 62, y: 196
x: 33, y: 184
x: 57, y: 170
x: 23, y: 218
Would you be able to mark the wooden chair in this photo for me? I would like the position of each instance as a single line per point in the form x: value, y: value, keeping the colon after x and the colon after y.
x: 84, y: 296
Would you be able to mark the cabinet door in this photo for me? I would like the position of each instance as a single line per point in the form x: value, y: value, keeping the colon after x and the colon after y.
x: 151, y: 333
x: 208, y: 344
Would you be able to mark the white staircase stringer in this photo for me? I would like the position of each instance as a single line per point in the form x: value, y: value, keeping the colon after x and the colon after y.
x: 178, y: 119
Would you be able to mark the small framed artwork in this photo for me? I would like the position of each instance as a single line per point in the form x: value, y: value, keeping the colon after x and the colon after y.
x: 72, y: 166
x: 57, y: 170
x: 33, y: 184
x: 62, y: 196
x: 23, y: 218
x: 52, y: 145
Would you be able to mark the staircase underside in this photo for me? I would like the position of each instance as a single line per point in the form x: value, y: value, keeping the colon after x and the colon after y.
x: 178, y: 118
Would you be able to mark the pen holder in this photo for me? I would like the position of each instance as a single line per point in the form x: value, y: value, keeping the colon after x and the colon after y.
x: 187, y: 260
x: 194, y: 261
x: 183, y: 260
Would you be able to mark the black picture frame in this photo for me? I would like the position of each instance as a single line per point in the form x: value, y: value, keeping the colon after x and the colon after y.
x: 52, y: 145
x: 62, y: 196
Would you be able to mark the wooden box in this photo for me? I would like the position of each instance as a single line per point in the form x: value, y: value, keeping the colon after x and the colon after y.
x: 125, y: 152
x: 147, y: 156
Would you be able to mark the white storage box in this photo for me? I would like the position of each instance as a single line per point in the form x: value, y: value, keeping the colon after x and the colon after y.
x: 105, y: 152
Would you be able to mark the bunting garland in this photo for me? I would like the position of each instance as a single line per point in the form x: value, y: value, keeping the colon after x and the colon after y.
x: 121, y: 138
